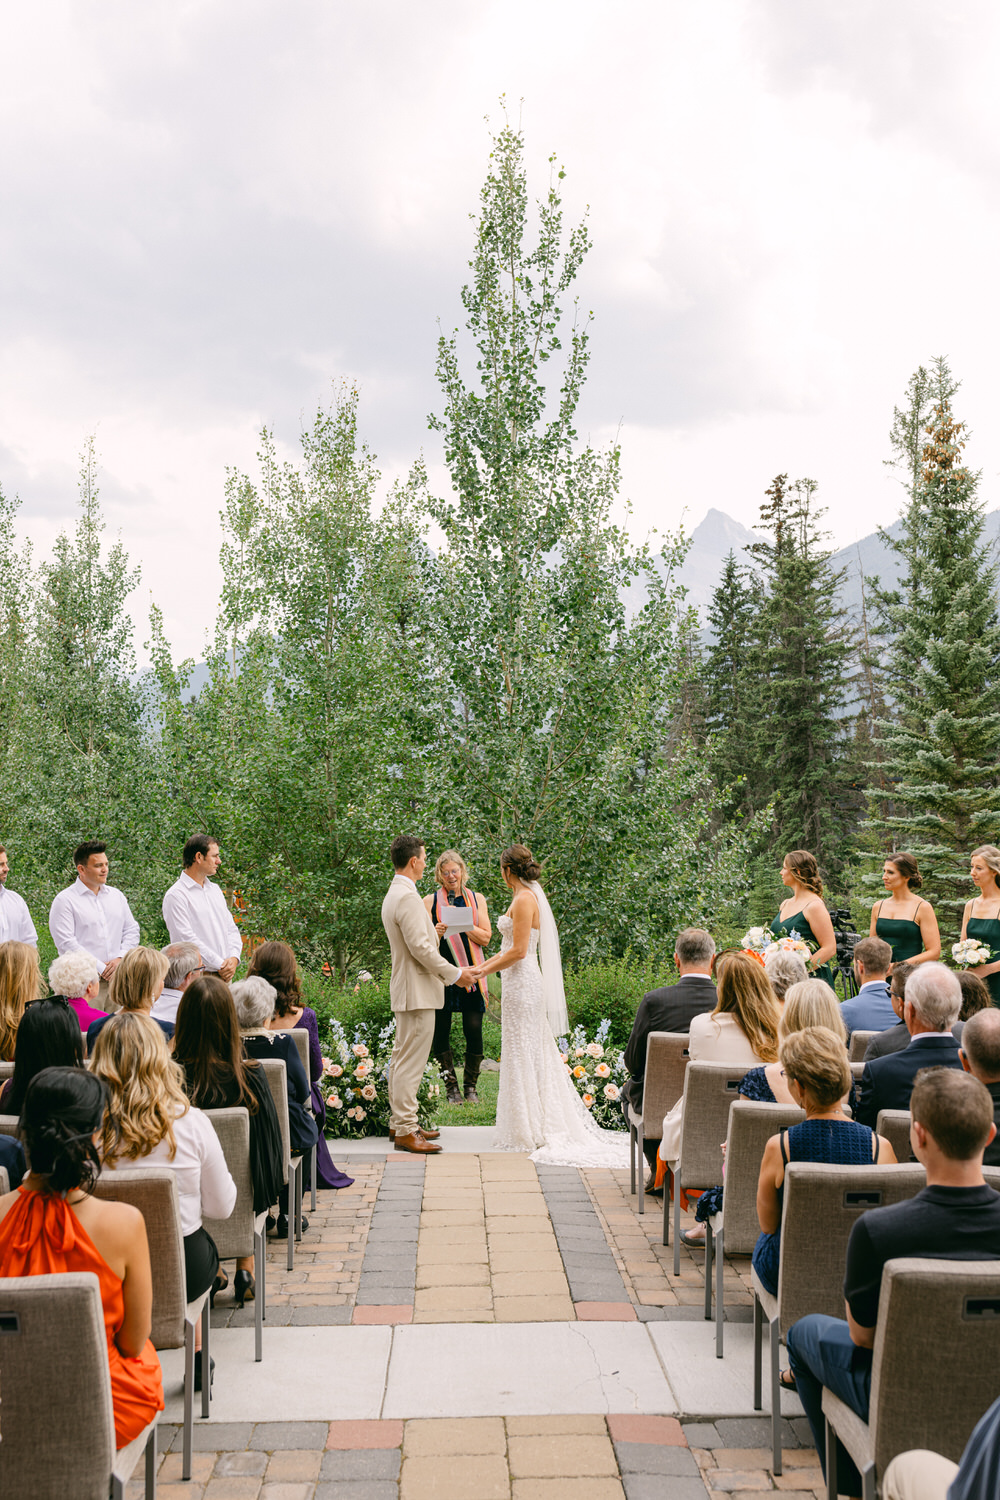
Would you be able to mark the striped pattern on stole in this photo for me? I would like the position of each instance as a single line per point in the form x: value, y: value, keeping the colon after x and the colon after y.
x: 441, y: 904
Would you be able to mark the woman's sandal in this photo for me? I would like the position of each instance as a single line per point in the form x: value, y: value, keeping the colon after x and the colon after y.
x: 693, y: 1242
x: 787, y: 1381
x: 218, y: 1285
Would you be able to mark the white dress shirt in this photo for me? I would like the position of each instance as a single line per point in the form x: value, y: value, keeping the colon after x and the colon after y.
x: 165, y: 1005
x: 16, y: 925
x: 199, y: 914
x: 204, y: 1185
x: 99, y: 922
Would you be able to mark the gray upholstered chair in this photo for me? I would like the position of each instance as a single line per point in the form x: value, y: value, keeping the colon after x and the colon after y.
x: 935, y: 1366
x: 820, y: 1205
x: 894, y: 1124
x: 9, y: 1124
x: 153, y: 1191
x: 4, y: 1181
x: 858, y: 1044
x: 6, y: 1071
x: 663, y: 1084
x: 734, y: 1230
x: 709, y: 1090
x: 55, y: 1446
x: 277, y: 1082
x: 243, y: 1232
x: 300, y: 1037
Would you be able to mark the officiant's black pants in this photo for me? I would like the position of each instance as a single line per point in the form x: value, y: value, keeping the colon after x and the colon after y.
x: 472, y: 1026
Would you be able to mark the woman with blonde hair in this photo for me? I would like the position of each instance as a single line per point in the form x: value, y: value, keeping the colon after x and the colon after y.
x: 135, y: 985
x: 20, y: 983
x: 464, y: 947
x: 150, y: 1122
x: 981, y: 918
x: 800, y: 873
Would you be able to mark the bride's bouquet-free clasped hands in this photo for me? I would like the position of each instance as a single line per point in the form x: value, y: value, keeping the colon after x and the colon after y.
x: 761, y: 941
x: 970, y: 953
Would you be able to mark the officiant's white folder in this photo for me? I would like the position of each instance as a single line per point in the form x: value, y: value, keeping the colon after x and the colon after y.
x: 459, y: 918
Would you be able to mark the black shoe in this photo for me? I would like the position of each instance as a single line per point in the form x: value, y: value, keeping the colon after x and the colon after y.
x: 271, y: 1224
x: 218, y: 1285
x: 281, y: 1228
x: 244, y: 1287
x: 197, y: 1368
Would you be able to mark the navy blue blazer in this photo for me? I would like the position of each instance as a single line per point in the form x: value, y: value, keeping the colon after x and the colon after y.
x: 887, y: 1082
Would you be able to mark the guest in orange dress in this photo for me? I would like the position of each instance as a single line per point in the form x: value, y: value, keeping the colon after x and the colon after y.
x: 51, y: 1225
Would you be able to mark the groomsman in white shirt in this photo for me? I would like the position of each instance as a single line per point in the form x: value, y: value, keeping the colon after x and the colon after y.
x: 195, y: 909
x: 16, y: 925
x: 94, y: 916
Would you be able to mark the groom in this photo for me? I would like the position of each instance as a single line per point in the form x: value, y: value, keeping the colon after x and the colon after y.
x: 416, y: 990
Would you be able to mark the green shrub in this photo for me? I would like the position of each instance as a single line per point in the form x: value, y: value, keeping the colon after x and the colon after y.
x: 612, y: 991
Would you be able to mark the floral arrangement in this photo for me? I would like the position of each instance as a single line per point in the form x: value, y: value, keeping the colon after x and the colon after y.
x: 354, y: 1082
x: 970, y: 953
x: 760, y: 941
x: 598, y: 1073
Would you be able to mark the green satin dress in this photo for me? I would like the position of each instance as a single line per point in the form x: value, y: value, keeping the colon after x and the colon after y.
x: 987, y: 930
x: 902, y: 934
x: 797, y: 925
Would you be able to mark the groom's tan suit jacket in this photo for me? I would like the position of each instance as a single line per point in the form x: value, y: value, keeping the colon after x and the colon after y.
x: 419, y: 973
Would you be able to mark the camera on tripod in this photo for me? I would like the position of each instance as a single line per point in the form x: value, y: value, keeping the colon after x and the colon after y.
x: 847, y: 937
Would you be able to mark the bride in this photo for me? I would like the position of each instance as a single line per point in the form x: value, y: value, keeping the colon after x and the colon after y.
x: 538, y: 1108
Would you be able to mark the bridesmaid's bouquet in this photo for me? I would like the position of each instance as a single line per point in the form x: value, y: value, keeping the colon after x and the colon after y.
x: 756, y: 940
x: 760, y: 941
x: 970, y: 953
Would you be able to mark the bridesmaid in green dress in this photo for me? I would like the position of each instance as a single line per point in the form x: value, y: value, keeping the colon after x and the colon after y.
x: 804, y: 914
x: 982, y: 915
x: 905, y: 920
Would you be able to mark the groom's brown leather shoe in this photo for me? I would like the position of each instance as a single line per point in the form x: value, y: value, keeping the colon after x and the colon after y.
x: 415, y: 1142
x: 428, y: 1135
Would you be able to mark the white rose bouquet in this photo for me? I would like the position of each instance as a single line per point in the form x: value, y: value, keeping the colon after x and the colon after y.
x: 970, y: 953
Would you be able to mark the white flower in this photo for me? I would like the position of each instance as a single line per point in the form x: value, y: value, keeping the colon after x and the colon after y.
x: 611, y: 1091
x: 602, y: 1070
x: 362, y: 1070
x: 756, y: 939
x: 364, y: 976
x: 359, y: 1113
x: 351, y: 1113
x: 578, y: 1052
x: 334, y: 1101
x: 368, y: 1092
x: 359, y: 1049
x: 594, y: 1049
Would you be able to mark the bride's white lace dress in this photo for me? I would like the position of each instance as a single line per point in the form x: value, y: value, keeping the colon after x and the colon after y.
x: 538, y: 1108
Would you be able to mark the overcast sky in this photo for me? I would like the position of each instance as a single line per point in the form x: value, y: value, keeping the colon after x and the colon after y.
x: 211, y: 210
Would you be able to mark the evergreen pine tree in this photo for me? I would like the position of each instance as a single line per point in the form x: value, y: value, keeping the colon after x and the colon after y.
x: 732, y: 678
x: 942, y: 745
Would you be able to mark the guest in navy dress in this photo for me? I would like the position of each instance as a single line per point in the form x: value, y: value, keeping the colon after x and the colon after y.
x: 275, y: 962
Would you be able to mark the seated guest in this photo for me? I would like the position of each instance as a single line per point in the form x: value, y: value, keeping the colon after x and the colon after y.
x: 185, y: 966
x: 930, y: 1008
x: 150, y: 1122
x: 63, y: 1110
x: 20, y: 983
x: 784, y: 969
x: 671, y: 1008
x: 12, y: 1159
x: 955, y: 1217
x: 920, y: 1474
x: 208, y: 1047
x: 741, y: 1030
x: 980, y: 1055
x: 893, y: 1038
x: 136, y: 985
x: 77, y: 976
x: 871, y: 1008
x: 815, y: 1064
x: 275, y: 962
x: 254, y: 1000
x: 48, y: 1037
x: 975, y: 995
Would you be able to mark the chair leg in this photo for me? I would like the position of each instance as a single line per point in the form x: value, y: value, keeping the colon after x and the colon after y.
x: 868, y: 1483
x: 677, y: 1223
x: 188, y: 1400
x: 666, y: 1210
x: 312, y: 1181
x: 758, y: 1340
x: 290, y: 1247
x: 774, y: 1348
x: 206, y: 1360
x: 719, y: 1296
x: 709, y: 1252
x: 299, y: 1195
x: 631, y: 1157
x: 260, y: 1258
x: 640, y: 1162
x: 151, y: 1464
x: 830, y: 1446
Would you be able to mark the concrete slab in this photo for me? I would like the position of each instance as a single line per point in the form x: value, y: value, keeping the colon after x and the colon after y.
x: 307, y: 1374
x: 520, y: 1369
x: 457, y: 1138
x: 704, y: 1386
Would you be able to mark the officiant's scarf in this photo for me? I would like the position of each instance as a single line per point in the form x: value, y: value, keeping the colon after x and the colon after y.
x: 455, y: 940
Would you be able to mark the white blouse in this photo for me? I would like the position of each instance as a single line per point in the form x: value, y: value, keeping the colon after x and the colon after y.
x: 204, y: 1185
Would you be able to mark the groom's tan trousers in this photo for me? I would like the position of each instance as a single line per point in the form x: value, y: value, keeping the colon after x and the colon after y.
x: 414, y: 1034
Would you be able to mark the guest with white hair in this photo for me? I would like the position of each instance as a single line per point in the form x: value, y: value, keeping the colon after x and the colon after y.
x: 77, y: 977
x: 784, y: 969
x: 931, y: 1004
x: 254, y: 999
x: 185, y: 966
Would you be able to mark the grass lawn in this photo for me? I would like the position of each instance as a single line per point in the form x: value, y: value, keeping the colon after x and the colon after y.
x: 483, y: 1113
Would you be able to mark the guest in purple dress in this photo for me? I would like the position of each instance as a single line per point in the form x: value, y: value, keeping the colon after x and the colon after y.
x: 275, y: 962
x: 78, y: 976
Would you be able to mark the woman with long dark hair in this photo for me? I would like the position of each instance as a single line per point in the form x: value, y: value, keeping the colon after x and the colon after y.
x: 48, y: 1036
x: 51, y: 1225
x: 905, y: 920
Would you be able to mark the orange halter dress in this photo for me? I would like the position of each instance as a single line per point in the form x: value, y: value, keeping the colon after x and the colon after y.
x: 41, y: 1236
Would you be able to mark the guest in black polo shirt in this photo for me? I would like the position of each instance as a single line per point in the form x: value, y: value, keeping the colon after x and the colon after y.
x: 955, y: 1217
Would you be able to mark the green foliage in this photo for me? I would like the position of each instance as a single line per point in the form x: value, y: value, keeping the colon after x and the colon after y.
x: 611, y: 990
x: 734, y: 676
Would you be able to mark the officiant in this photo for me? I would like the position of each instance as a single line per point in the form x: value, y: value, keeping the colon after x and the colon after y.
x: 462, y: 945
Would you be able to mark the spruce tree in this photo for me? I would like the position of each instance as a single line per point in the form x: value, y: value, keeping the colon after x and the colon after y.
x: 732, y: 677
x: 942, y: 743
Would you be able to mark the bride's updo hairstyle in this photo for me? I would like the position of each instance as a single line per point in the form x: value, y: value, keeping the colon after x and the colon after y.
x: 62, y: 1109
x: 805, y: 869
x: 520, y: 862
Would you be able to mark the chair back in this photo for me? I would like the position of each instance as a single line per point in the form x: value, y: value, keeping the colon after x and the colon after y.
x: 4, y: 1181
x: 663, y: 1082
x: 234, y: 1236
x: 821, y: 1204
x: 858, y: 1044
x: 277, y: 1082
x: 709, y: 1090
x: 750, y: 1128
x: 6, y: 1070
x: 936, y: 1364
x: 9, y: 1126
x: 153, y: 1191
x: 894, y: 1124
x: 300, y: 1037
x: 51, y: 1329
